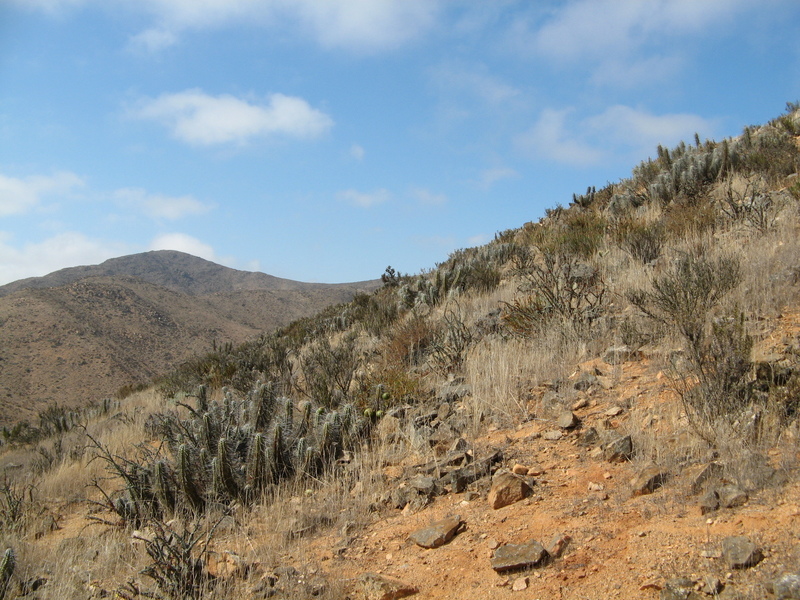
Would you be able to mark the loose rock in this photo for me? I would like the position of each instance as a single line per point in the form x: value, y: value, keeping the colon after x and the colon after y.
x: 731, y: 496
x: 740, y: 552
x: 648, y: 480
x: 380, y: 587
x: 519, y: 556
x: 558, y: 545
x: 507, y: 488
x: 438, y: 533
x: 786, y: 587
x: 619, y: 450
x: 567, y: 420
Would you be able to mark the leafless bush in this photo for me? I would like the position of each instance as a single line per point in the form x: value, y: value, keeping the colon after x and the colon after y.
x: 556, y: 285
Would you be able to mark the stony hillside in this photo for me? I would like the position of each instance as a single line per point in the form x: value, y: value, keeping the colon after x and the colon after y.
x: 80, y: 335
x: 602, y: 403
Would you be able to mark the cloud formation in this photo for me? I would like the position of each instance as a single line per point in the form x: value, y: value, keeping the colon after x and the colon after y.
x: 63, y: 250
x: 159, y: 206
x: 183, y: 243
x: 18, y: 196
x: 619, y: 132
x: 364, y: 199
x: 200, y: 119
x: 626, y: 42
x: 359, y: 25
x: 428, y: 198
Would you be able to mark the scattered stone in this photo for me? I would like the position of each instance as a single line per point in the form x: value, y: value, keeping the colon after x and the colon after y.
x: 380, y: 587
x: 711, y: 586
x: 558, y: 545
x: 444, y: 411
x: 579, y: 404
x: 552, y: 435
x: 506, y: 489
x: 709, y: 503
x: 740, y: 552
x: 731, y: 496
x: 453, y: 391
x: 535, y: 471
x: 613, y: 411
x: 701, y: 475
x: 424, y: 485
x: 616, y: 355
x: 226, y: 565
x: 679, y: 588
x: 519, y: 556
x: 438, y: 533
x: 785, y: 587
x: 519, y: 469
x: 589, y: 437
x: 595, y: 487
x: 520, y: 584
x: 648, y: 480
x: 619, y: 450
x: 567, y: 420
x: 585, y: 381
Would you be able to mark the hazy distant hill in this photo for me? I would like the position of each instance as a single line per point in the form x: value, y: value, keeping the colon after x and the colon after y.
x: 79, y: 334
x: 176, y: 271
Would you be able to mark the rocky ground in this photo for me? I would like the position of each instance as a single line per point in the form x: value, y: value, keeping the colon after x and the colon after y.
x: 599, y: 494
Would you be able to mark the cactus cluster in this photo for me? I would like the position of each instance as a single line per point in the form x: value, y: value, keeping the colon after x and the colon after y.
x: 7, y: 565
x: 235, y: 449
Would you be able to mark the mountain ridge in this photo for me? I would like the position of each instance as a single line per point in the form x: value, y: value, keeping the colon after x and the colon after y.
x: 81, y: 334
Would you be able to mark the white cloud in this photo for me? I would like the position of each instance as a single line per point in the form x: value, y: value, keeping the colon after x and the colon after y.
x: 357, y: 152
x: 478, y: 240
x: 629, y: 42
x: 201, y: 119
x: 429, y: 198
x: 58, y: 252
x: 360, y: 25
x: 183, y: 243
x: 159, y: 206
x: 618, y: 132
x: 642, y: 131
x: 364, y: 199
x: 588, y: 29
x: 18, y: 196
x: 490, y: 176
x: 550, y: 139
x: 474, y: 80
x: 151, y: 41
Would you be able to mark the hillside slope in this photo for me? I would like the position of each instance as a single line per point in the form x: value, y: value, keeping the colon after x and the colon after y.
x: 81, y: 334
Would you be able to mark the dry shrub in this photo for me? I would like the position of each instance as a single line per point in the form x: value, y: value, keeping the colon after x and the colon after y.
x: 409, y: 342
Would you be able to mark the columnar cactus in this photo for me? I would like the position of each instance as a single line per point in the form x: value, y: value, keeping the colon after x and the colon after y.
x: 187, y: 479
x: 223, y: 472
x: 256, y: 463
x: 163, y: 488
x: 7, y: 565
x: 202, y: 399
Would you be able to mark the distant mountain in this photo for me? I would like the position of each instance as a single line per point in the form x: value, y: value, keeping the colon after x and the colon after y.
x: 173, y: 270
x: 79, y: 334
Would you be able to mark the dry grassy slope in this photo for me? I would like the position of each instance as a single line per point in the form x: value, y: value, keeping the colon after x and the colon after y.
x: 81, y: 341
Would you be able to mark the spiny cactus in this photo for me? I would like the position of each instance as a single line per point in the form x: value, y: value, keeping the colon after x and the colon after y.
x: 264, y: 401
x: 279, y: 463
x: 187, y: 480
x: 288, y: 415
x: 163, y: 487
x: 202, y: 399
x: 223, y: 472
x: 256, y: 463
x: 6, y: 570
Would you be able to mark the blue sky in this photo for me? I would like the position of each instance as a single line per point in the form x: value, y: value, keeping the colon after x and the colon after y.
x: 322, y: 140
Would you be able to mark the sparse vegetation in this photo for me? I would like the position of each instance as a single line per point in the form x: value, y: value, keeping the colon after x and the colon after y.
x: 305, y: 430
